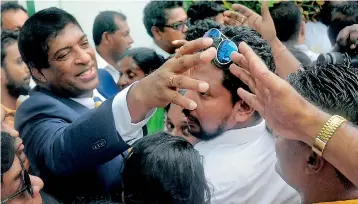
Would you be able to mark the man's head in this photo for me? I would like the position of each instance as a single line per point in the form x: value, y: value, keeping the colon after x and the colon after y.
x: 342, y: 15
x: 137, y: 63
x: 152, y: 173
x: 165, y: 21
x: 14, y: 177
x: 14, y: 73
x: 111, y: 32
x: 334, y: 89
x: 220, y: 108
x: 13, y: 15
x: 202, y: 10
x: 58, y: 53
x: 288, y: 21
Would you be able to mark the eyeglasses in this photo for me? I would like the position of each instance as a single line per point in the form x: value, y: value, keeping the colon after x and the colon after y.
x: 224, y: 48
x: 27, y: 184
x: 179, y: 26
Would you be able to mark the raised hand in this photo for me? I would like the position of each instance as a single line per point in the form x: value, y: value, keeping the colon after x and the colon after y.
x: 160, y: 88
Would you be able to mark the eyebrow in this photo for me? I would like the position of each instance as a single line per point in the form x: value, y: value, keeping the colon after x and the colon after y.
x: 68, y: 47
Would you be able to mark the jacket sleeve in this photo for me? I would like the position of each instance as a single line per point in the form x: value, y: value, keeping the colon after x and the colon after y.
x: 64, y: 146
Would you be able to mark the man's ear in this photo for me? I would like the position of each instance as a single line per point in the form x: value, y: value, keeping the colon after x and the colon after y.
x: 37, y: 74
x: 303, y: 29
x: 156, y: 33
x: 3, y: 76
x: 314, y: 163
x: 243, y: 111
x: 106, y: 38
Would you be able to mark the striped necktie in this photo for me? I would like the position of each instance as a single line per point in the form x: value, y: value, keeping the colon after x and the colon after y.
x: 97, y: 101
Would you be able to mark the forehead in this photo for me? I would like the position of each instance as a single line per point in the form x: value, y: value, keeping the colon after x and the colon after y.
x: 175, y: 15
x: 127, y: 63
x: 121, y: 24
x: 15, y: 17
x: 70, y: 35
x: 208, y: 73
x: 12, y: 50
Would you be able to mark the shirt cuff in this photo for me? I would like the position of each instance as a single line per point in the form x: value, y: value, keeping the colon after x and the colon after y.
x: 127, y: 130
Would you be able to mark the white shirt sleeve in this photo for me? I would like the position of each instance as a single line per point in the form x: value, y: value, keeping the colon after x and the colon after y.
x: 129, y: 131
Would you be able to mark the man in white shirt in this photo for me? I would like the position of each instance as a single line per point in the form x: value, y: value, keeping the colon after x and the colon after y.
x: 290, y: 28
x: 69, y: 139
x: 165, y: 22
x: 111, y: 36
x: 238, y: 150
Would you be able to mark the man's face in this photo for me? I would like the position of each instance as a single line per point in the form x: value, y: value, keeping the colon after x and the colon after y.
x: 174, y: 16
x: 15, y: 73
x: 130, y: 72
x: 121, y: 39
x: 292, y: 159
x: 13, y: 181
x: 14, y: 19
x: 73, y: 66
x: 214, y: 113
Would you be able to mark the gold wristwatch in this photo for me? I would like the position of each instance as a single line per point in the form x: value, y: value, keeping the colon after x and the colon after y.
x: 326, y: 133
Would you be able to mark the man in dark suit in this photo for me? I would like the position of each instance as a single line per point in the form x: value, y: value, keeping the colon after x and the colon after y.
x: 69, y: 145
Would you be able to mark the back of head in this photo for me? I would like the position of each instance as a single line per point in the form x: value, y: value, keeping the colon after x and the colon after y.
x: 8, y: 37
x: 147, y: 59
x: 332, y: 88
x: 287, y: 19
x: 7, y: 152
x: 10, y: 5
x: 201, y: 10
x: 154, y: 14
x: 237, y: 35
x: 104, y: 22
x: 37, y: 31
x: 164, y: 169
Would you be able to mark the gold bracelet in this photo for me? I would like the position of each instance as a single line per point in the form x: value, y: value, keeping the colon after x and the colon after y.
x: 326, y: 133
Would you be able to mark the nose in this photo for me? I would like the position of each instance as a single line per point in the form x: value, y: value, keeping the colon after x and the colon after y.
x: 130, y: 40
x: 37, y: 183
x: 122, y: 81
x: 83, y: 57
x: 191, y: 95
x: 185, y: 28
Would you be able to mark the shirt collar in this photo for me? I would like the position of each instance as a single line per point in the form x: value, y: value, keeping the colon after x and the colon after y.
x: 101, y: 63
x: 237, y: 136
x: 88, y: 101
x: 160, y: 51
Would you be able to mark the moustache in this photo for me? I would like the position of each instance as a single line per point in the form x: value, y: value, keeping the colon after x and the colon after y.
x: 190, y: 117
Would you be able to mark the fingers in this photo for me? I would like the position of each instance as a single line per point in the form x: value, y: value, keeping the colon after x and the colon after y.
x: 353, y: 39
x: 185, y: 82
x: 244, y: 76
x: 182, y: 101
x: 250, y: 99
x: 240, y: 60
x: 242, y: 9
x: 179, y: 43
x: 259, y: 70
x: 184, y: 63
x: 195, y: 46
x: 232, y: 18
x: 265, y: 13
x: 342, y: 37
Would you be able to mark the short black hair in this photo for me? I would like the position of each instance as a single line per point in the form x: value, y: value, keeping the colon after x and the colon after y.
x: 164, y: 169
x: 202, y: 10
x: 104, y: 22
x: 154, y: 14
x: 7, y: 152
x: 146, y: 59
x: 287, y: 19
x: 8, y: 37
x: 237, y: 35
x: 334, y: 89
x: 10, y: 5
x: 37, y: 31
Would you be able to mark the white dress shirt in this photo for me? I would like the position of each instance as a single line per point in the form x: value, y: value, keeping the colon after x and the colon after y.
x: 303, y: 48
x: 159, y: 50
x: 130, y: 132
x: 102, y: 64
x: 240, y: 168
x: 317, y: 38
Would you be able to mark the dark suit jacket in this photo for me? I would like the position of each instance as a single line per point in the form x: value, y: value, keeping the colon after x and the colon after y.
x: 67, y: 143
x: 107, y: 87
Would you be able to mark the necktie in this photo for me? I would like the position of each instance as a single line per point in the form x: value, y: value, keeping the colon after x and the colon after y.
x: 97, y: 101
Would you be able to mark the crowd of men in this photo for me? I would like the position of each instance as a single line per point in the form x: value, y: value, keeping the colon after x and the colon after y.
x: 223, y: 106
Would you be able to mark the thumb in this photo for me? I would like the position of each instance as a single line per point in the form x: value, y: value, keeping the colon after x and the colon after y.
x: 265, y: 13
